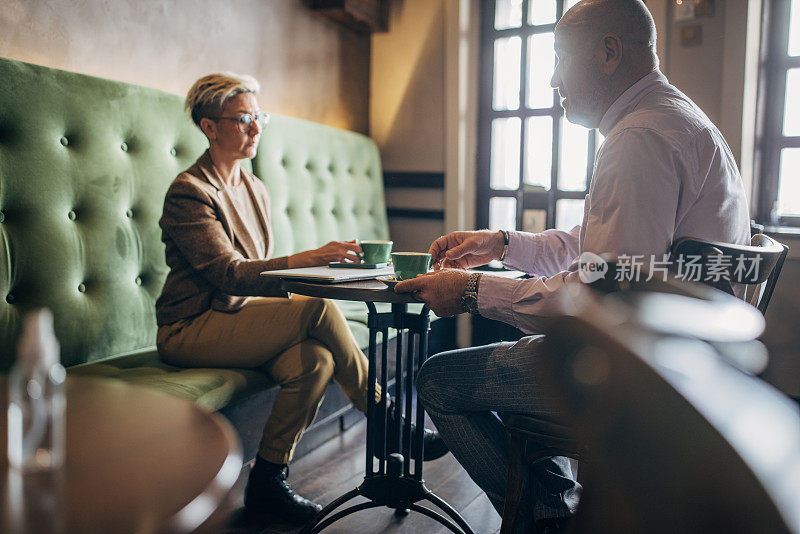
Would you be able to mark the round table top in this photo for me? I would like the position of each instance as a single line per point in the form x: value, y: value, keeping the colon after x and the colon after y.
x: 137, y: 460
x: 362, y: 290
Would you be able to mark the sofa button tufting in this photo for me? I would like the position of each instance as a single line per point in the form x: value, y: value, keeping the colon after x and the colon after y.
x: 72, y: 215
x: 129, y: 213
x: 124, y: 147
x: 10, y: 298
x: 283, y: 162
x: 2, y: 217
x: 81, y: 288
x: 138, y: 280
x: 330, y: 168
x: 173, y: 152
x: 64, y: 141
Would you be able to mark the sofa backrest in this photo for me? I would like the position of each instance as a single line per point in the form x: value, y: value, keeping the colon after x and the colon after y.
x: 84, y: 166
x: 325, y: 184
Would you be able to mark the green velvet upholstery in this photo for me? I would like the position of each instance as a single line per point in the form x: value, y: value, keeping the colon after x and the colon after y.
x: 325, y: 184
x: 211, y: 388
x: 84, y: 166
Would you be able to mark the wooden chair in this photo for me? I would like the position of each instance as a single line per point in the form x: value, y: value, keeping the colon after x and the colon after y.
x: 680, y: 440
x: 757, y: 265
x: 532, y: 439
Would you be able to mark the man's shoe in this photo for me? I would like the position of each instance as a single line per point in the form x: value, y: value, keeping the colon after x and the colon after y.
x: 433, y: 444
x: 268, y: 493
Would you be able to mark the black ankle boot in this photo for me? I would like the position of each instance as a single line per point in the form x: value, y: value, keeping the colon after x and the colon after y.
x: 268, y: 493
x: 433, y: 445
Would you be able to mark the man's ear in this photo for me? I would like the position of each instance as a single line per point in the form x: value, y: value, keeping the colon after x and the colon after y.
x: 209, y: 128
x: 612, y: 53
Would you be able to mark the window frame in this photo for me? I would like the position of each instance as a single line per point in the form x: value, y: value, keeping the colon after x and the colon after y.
x: 541, y: 200
x: 776, y: 62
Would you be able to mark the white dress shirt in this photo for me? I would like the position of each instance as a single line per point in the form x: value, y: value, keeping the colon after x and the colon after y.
x: 663, y: 172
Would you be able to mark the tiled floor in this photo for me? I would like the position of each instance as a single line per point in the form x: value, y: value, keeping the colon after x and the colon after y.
x: 338, y: 466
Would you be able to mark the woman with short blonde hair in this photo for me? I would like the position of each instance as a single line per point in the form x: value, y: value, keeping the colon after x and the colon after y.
x: 210, y: 93
x: 215, y: 309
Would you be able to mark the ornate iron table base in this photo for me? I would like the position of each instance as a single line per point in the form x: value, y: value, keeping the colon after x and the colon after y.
x: 392, y: 483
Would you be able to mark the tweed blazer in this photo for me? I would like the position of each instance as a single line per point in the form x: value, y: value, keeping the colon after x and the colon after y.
x: 213, y: 260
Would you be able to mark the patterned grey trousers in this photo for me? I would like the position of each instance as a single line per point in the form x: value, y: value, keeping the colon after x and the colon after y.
x: 461, y: 388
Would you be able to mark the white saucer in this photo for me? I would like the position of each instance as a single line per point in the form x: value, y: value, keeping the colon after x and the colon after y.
x: 388, y: 279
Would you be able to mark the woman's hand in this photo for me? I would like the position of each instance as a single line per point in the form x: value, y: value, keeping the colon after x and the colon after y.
x: 462, y: 250
x: 345, y: 251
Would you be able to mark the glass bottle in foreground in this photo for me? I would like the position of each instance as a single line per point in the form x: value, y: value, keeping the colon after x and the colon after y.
x: 36, y: 402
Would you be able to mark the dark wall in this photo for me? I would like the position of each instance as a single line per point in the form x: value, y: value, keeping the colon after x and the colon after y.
x: 309, y: 67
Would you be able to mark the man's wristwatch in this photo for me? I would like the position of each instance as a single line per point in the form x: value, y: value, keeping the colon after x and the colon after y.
x: 470, y: 297
x: 505, y: 245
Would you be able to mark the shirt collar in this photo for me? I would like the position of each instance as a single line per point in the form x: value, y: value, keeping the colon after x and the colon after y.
x: 206, y: 164
x: 627, y: 101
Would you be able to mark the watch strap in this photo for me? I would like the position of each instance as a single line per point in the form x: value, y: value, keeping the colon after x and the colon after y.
x: 505, y: 245
x: 470, y: 297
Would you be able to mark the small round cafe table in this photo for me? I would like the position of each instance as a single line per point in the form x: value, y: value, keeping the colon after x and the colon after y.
x: 393, y: 480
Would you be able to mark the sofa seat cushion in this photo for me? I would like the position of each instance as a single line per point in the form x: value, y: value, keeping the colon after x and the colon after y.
x: 213, y: 388
x: 209, y: 387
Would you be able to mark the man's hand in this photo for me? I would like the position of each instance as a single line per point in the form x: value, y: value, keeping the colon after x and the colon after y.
x: 345, y: 251
x: 462, y: 250
x: 440, y: 290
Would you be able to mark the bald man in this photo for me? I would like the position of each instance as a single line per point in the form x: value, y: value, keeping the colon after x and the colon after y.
x: 663, y: 172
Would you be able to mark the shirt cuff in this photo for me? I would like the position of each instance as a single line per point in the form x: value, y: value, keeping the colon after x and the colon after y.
x: 522, y: 249
x: 495, y: 293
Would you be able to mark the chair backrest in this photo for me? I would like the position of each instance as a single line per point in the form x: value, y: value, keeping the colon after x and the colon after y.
x: 681, y: 438
x: 757, y: 266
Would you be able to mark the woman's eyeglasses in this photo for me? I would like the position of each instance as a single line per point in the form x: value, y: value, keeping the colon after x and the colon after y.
x: 245, y: 122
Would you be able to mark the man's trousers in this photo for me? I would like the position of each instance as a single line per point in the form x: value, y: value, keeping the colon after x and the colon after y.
x: 461, y: 389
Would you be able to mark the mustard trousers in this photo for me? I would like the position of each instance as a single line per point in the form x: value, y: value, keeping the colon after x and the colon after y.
x: 301, y: 342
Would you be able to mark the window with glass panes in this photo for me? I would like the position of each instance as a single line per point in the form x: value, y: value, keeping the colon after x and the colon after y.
x: 779, y: 191
x: 534, y: 165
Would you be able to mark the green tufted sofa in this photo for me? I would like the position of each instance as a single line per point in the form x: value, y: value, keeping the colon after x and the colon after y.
x: 84, y: 166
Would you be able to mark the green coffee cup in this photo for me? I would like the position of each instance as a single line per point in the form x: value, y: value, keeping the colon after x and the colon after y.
x: 375, y: 251
x: 408, y: 265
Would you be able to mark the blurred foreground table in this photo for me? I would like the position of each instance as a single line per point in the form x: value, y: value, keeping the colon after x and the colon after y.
x: 137, y: 460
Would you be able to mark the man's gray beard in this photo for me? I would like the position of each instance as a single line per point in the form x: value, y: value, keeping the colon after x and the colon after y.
x: 594, y: 113
x: 590, y: 114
